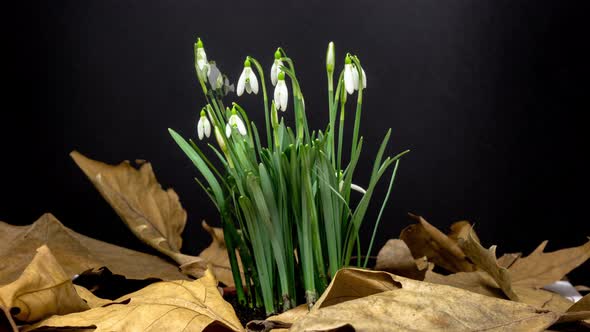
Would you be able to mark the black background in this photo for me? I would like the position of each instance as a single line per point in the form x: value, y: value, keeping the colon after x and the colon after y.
x: 490, y: 96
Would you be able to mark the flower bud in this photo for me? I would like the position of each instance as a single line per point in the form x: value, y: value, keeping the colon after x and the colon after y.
x: 330, y: 58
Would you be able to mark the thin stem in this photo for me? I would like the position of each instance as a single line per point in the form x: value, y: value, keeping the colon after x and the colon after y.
x: 265, y: 96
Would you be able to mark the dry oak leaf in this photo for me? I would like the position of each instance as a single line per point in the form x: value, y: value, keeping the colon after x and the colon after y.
x: 486, y: 260
x: 74, y: 252
x: 395, y: 257
x: 362, y: 300
x: 215, y: 258
x: 541, y: 269
x: 482, y: 283
x: 163, y: 306
x: 153, y: 214
x: 278, y: 323
x: 42, y: 290
x: 423, y: 239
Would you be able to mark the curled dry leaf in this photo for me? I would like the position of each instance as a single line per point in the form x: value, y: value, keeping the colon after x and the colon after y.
x: 164, y: 306
x: 395, y: 257
x: 378, y: 301
x: 486, y: 260
x: 423, y: 239
x: 214, y: 257
x: 153, y: 214
x: 42, y: 290
x: 540, y: 269
x: 74, y: 252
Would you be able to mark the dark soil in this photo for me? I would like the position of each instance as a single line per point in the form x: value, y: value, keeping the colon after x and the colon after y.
x: 245, y: 313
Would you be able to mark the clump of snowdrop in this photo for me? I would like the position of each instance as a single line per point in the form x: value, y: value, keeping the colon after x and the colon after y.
x: 290, y: 197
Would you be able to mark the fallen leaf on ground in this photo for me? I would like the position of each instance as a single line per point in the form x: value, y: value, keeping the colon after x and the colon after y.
x: 423, y: 239
x: 395, y: 257
x: 541, y: 269
x: 278, y: 323
x: 164, y: 306
x: 486, y: 260
x: 460, y: 230
x: 214, y: 257
x: 153, y: 214
x: 364, y: 300
x: 507, y: 260
x: 42, y: 290
x: 92, y: 300
x: 74, y: 252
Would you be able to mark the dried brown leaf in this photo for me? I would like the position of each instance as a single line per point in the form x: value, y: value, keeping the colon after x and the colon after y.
x: 153, y: 214
x: 214, y: 257
x: 363, y: 300
x: 507, y: 260
x: 423, y: 239
x: 540, y: 269
x: 42, y: 290
x: 278, y: 323
x: 164, y: 306
x: 395, y: 257
x: 74, y: 252
x: 486, y: 260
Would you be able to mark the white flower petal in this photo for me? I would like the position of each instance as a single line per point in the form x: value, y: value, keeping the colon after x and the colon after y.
x: 274, y: 73
x: 253, y: 83
x: 277, y: 97
x: 241, y: 83
x: 200, y: 128
x: 207, y: 127
x: 284, y: 96
x: 241, y: 127
x: 248, y: 88
x: 227, y: 130
x: 348, y: 79
x: 357, y: 188
x: 355, y: 78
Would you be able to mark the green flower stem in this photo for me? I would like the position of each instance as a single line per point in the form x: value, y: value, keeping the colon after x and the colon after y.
x: 265, y: 96
x: 359, y: 106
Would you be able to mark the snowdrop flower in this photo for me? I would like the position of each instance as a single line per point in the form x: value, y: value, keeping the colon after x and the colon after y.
x: 201, y: 55
x: 351, y: 76
x: 330, y: 55
x: 235, y: 122
x: 276, y: 68
x: 203, y: 126
x: 247, y: 80
x: 214, y: 75
x: 281, y: 93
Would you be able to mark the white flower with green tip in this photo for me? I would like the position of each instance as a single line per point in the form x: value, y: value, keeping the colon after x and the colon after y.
x: 351, y: 76
x: 201, y: 55
x: 276, y: 68
x: 247, y: 80
x: 281, y: 93
x: 235, y: 122
x: 203, y: 126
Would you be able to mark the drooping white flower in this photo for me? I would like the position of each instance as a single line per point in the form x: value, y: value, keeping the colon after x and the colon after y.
x: 214, y: 75
x: 276, y: 68
x: 201, y: 55
x: 235, y: 122
x: 203, y: 126
x: 281, y: 93
x: 247, y: 80
x: 351, y: 76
